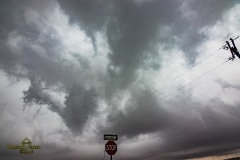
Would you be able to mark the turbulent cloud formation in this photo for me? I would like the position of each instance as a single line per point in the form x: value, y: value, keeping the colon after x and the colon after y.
x: 74, y: 70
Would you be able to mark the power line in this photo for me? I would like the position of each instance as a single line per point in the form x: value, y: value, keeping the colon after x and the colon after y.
x: 180, y: 88
x: 165, y: 85
x: 183, y: 73
x: 170, y: 94
x: 162, y: 98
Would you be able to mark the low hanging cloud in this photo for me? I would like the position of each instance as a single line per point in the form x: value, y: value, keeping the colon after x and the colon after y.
x: 79, y: 103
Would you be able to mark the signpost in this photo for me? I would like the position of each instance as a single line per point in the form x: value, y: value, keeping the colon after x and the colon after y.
x: 111, y: 148
x: 110, y: 137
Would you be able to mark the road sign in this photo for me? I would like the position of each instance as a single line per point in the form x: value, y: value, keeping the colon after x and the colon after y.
x: 111, y: 147
x: 110, y: 137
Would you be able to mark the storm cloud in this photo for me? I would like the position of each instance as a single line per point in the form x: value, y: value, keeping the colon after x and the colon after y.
x: 84, y: 68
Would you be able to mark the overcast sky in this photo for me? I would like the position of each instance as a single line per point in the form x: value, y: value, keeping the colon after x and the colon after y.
x: 73, y: 70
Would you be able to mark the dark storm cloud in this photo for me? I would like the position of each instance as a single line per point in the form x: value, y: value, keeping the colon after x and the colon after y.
x: 132, y: 35
x: 23, y: 57
x: 135, y: 122
x: 27, y: 53
x: 79, y: 104
x: 90, y: 14
x: 8, y: 19
x: 187, y: 131
x: 210, y: 129
x: 133, y: 31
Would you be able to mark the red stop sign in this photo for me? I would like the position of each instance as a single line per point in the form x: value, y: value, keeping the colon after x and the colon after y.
x: 111, y: 147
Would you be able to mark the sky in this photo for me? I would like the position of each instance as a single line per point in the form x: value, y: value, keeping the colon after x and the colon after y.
x: 151, y: 71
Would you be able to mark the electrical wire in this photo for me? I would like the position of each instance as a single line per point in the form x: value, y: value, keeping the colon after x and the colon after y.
x: 181, y: 74
x: 168, y: 95
x: 163, y: 98
x: 165, y: 85
x: 180, y: 88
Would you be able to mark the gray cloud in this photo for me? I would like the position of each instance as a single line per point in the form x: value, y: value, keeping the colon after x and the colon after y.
x: 28, y: 53
x: 31, y: 48
x: 91, y: 15
x: 187, y: 131
x: 227, y: 85
x: 198, y: 14
x: 135, y: 122
x: 79, y: 104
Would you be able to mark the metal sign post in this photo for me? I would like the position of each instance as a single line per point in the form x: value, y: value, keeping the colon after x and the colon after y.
x: 110, y: 146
